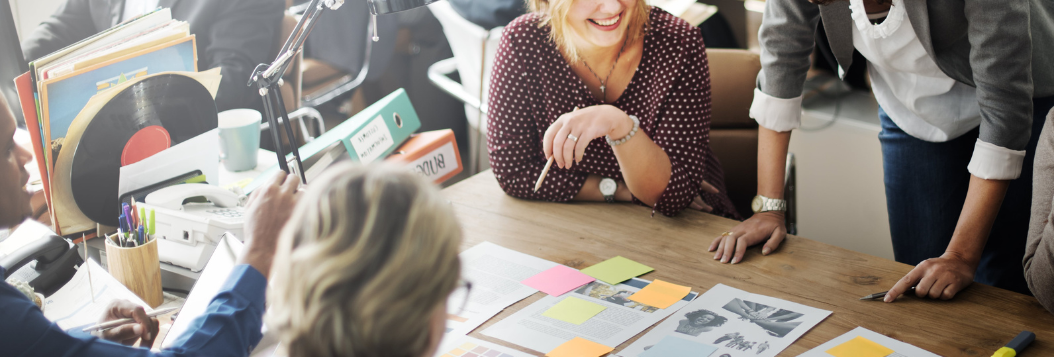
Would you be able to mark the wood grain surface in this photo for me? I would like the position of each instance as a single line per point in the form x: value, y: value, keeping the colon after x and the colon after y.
x: 976, y: 323
x: 139, y: 269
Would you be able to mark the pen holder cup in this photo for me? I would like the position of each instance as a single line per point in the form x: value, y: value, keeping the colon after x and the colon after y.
x: 139, y: 269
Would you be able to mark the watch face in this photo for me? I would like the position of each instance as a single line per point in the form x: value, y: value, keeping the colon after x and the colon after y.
x: 608, y: 187
x: 756, y: 204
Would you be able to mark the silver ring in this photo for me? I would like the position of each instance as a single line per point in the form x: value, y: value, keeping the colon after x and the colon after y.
x: 572, y: 137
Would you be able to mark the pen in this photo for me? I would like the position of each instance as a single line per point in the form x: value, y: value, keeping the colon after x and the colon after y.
x: 880, y: 295
x: 545, y: 171
x: 151, y: 229
x: 111, y: 324
x: 1015, y: 346
x: 142, y: 237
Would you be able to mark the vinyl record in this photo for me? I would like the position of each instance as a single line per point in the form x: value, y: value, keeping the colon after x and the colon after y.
x: 143, y: 119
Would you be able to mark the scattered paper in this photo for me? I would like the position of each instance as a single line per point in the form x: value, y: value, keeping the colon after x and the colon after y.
x: 861, y: 341
x: 579, y: 347
x: 661, y: 294
x: 71, y: 307
x: 574, y: 310
x: 617, y: 270
x: 495, y: 273
x: 559, y: 280
x: 860, y: 347
x: 672, y: 346
x: 736, y: 322
x: 472, y: 347
x: 620, y: 321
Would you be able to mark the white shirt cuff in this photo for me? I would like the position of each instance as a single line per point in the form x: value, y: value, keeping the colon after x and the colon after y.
x: 992, y: 162
x: 776, y: 114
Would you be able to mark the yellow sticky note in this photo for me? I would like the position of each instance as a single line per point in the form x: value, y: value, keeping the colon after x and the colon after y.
x: 579, y: 347
x: 574, y: 310
x: 860, y: 347
x: 660, y: 294
x: 616, y: 270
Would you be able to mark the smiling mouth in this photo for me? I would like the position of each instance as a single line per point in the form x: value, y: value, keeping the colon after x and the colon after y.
x: 608, y: 22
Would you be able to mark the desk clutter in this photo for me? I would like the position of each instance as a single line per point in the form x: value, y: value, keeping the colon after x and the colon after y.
x: 589, y: 313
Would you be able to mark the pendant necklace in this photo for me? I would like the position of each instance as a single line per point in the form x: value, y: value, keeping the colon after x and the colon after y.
x: 604, y: 82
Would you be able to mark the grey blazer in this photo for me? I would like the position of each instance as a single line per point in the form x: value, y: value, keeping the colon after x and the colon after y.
x: 987, y: 44
x: 233, y: 34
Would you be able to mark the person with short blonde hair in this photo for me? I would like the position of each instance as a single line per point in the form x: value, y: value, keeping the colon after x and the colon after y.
x: 617, y: 94
x: 365, y: 266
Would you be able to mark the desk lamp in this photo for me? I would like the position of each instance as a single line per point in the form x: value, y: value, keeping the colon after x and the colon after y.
x: 268, y: 78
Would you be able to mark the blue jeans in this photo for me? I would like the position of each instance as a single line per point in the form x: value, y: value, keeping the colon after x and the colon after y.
x: 926, y: 186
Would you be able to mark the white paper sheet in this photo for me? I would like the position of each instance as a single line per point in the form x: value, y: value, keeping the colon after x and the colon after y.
x: 206, y: 287
x: 201, y: 152
x: 738, y: 323
x: 468, y: 347
x: 622, y: 319
x: 900, y: 349
x: 495, y: 273
x: 28, y: 232
x: 72, y: 307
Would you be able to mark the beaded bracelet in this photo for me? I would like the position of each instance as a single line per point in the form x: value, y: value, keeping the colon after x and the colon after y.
x: 636, y: 126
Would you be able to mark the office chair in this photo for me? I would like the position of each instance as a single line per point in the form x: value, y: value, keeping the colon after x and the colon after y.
x: 474, y: 49
x: 734, y: 135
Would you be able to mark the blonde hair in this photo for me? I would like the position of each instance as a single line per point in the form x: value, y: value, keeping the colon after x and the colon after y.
x: 369, y: 255
x: 554, y: 14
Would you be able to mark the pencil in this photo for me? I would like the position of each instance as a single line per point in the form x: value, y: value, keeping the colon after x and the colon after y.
x: 111, y: 324
x: 545, y: 171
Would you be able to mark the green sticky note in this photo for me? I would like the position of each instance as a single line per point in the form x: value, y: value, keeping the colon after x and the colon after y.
x: 616, y: 270
x: 574, y: 310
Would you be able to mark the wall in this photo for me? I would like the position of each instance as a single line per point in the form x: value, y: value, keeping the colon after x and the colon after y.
x: 841, y: 195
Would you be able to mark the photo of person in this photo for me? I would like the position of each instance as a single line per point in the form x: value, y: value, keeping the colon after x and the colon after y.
x: 611, y: 294
x: 726, y: 337
x: 764, y: 346
x: 777, y: 322
x: 699, y: 321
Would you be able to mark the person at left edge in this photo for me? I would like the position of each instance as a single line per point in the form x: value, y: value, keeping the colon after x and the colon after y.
x: 230, y: 326
x: 235, y: 35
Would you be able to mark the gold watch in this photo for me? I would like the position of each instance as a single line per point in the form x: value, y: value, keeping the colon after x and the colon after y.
x: 765, y: 204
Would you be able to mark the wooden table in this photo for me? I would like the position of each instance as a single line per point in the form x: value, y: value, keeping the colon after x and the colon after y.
x: 976, y: 323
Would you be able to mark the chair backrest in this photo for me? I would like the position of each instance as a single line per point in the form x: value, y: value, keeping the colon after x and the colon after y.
x: 293, y: 77
x: 733, y: 134
x: 474, y: 49
x: 733, y: 74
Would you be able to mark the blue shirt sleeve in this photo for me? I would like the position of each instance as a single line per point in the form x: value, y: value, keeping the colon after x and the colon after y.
x: 231, y: 326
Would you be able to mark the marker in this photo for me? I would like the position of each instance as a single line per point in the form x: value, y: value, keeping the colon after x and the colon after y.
x: 152, y: 228
x: 1016, y: 345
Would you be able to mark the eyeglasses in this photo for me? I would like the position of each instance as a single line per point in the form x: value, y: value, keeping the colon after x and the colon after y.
x: 458, y: 300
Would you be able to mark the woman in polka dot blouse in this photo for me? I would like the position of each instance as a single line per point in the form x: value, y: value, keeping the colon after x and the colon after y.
x: 612, y: 90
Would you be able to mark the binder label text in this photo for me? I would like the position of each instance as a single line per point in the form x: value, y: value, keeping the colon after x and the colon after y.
x: 373, y: 140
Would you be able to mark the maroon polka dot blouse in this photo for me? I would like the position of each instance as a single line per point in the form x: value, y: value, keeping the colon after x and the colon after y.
x: 532, y: 85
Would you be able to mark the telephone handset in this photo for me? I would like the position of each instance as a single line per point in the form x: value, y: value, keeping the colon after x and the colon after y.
x: 46, y: 264
x: 173, y: 197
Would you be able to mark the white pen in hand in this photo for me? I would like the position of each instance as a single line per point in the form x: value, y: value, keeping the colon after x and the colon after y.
x: 111, y: 324
x: 545, y: 171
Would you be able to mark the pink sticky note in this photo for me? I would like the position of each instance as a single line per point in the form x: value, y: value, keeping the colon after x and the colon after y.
x: 558, y: 280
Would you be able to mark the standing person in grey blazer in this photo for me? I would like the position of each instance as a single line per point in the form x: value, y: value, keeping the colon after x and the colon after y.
x: 962, y: 86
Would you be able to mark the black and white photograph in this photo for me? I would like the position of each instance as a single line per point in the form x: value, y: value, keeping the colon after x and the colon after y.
x: 699, y: 321
x: 736, y: 323
x: 776, y: 322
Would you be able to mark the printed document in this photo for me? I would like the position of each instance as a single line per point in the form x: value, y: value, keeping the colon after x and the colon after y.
x: 621, y: 320
x: 855, y: 342
x: 496, y: 273
x: 72, y: 306
x: 738, y: 323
